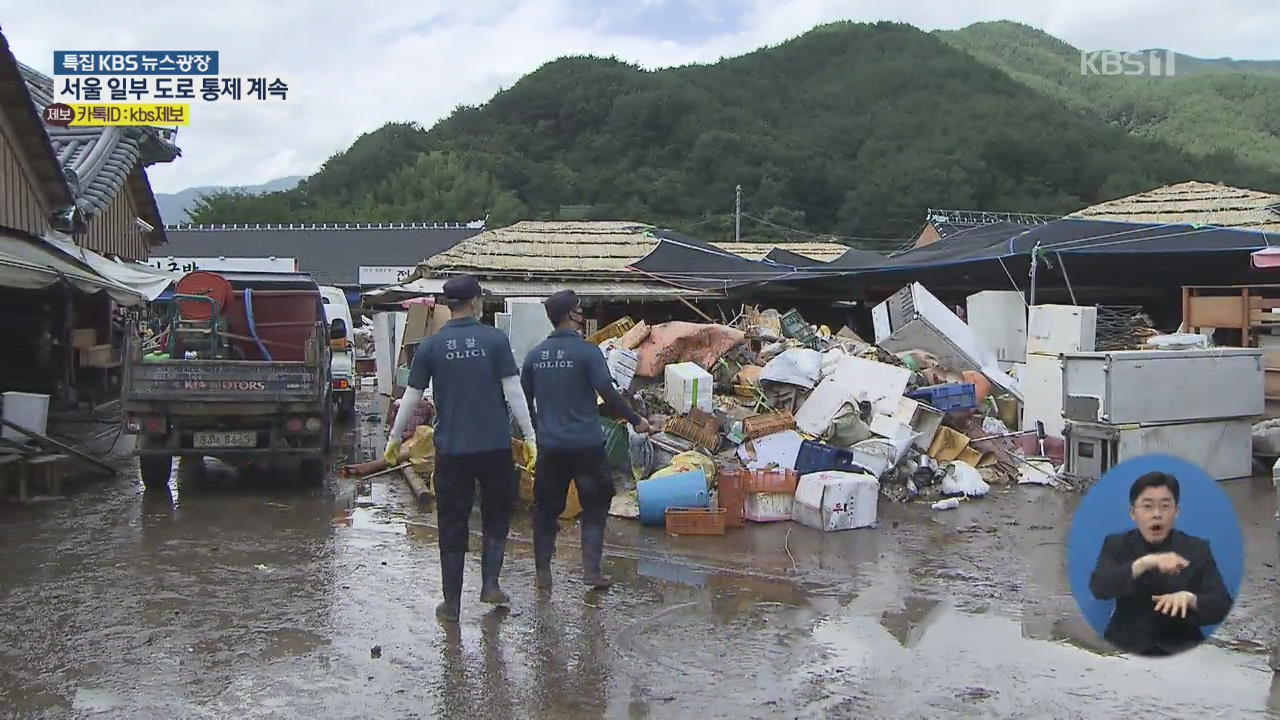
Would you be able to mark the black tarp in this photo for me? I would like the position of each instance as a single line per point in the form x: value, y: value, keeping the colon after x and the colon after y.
x: 857, y: 259
x: 691, y: 263
x: 792, y: 259
x: 1079, y: 261
x: 1071, y: 236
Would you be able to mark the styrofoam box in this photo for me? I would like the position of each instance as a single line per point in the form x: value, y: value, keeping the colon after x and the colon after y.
x: 1054, y: 329
x: 832, y: 500
x: 688, y: 386
x: 767, y: 507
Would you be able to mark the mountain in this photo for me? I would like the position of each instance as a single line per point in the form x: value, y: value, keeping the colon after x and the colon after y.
x: 174, y: 207
x: 1188, y: 66
x: 1223, y: 106
x: 849, y: 129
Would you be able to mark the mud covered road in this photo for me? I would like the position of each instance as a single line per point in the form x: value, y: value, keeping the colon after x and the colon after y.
x: 247, y: 596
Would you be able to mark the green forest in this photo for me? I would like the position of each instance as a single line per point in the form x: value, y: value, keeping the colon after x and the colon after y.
x: 1206, y: 107
x: 851, y: 130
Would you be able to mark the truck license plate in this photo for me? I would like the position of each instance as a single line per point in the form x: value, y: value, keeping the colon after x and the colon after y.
x: 215, y: 439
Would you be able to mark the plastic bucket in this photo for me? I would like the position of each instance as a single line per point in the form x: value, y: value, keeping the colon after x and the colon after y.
x: 682, y: 490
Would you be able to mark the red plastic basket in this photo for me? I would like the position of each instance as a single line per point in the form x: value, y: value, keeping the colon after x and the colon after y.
x: 729, y: 496
x: 695, y: 521
x: 769, y: 481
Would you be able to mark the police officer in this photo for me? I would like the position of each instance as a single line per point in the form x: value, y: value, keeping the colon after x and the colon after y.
x: 475, y: 382
x: 561, y: 378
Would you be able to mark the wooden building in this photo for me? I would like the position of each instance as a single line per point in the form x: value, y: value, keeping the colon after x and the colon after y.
x: 89, y: 185
x: 105, y: 167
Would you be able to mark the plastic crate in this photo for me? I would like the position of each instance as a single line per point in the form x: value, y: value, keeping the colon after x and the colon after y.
x: 683, y: 427
x: 816, y: 457
x: 949, y: 397
x: 730, y: 498
x: 769, y: 481
x: 615, y: 329
x: 695, y: 521
x: 759, y: 426
x: 793, y: 323
x: 795, y: 327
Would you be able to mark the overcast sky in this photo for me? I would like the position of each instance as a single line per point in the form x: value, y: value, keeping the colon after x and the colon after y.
x: 352, y: 65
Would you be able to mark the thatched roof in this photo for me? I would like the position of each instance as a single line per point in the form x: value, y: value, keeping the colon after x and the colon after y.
x: 1194, y: 203
x: 823, y: 251
x: 548, y: 247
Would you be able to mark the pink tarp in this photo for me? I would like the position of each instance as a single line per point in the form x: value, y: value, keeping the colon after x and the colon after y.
x: 677, y: 342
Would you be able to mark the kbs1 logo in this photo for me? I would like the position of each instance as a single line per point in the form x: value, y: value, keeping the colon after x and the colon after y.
x: 1145, y: 63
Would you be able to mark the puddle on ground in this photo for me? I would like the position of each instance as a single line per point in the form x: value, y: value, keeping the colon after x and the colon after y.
x: 93, y: 700
x: 233, y: 597
x: 951, y: 657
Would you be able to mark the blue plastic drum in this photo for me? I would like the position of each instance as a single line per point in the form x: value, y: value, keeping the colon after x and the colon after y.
x: 683, y: 490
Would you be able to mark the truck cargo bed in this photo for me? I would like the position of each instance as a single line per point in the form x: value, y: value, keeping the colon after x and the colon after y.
x: 223, y: 381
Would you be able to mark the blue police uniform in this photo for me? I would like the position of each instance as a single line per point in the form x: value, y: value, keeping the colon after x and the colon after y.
x: 466, y: 363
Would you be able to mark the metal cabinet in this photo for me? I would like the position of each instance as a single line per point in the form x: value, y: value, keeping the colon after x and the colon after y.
x: 1223, y: 448
x: 1163, y: 386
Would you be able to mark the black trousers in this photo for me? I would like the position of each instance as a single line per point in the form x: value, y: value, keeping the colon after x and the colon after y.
x: 556, y: 468
x: 456, y: 479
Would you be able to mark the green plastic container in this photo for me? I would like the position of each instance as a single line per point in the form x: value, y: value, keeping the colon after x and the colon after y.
x: 617, y: 446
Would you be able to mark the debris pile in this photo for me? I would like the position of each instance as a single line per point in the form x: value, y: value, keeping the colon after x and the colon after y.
x: 774, y: 419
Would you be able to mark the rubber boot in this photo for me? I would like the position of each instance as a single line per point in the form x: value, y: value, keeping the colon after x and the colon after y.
x: 490, y: 568
x: 592, y: 552
x: 544, y: 548
x: 451, y: 567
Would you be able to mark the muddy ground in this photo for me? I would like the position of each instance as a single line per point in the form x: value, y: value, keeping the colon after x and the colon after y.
x: 248, y: 596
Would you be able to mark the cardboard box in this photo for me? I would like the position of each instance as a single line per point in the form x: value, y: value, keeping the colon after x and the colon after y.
x: 923, y: 420
x: 84, y: 338
x: 832, y: 500
x: 99, y: 356
x: 948, y: 445
x: 622, y: 367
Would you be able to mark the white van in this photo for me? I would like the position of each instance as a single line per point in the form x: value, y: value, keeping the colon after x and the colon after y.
x: 342, y: 365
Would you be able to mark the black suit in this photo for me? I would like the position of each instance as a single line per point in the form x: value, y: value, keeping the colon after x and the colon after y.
x: 1135, y: 625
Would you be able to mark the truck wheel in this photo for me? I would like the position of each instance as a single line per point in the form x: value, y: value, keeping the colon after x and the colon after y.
x: 156, y: 470
x: 347, y: 406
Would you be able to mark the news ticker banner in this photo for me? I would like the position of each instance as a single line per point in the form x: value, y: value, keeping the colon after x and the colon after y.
x: 100, y: 88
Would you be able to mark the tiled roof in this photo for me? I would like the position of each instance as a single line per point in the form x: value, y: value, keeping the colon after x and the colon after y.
x: 98, y: 160
x: 332, y: 254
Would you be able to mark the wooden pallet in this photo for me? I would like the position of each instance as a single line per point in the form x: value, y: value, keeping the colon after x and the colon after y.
x: 1252, y: 310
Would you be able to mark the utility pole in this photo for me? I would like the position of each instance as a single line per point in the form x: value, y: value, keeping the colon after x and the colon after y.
x: 737, y: 214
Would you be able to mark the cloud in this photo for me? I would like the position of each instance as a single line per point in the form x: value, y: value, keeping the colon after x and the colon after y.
x: 353, y: 66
